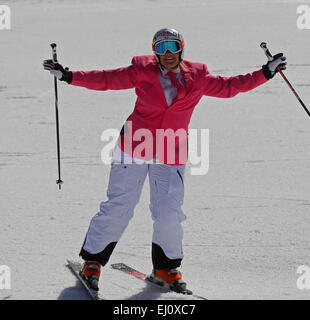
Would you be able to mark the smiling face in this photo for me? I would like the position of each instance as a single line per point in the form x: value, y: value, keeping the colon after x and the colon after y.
x: 170, y: 60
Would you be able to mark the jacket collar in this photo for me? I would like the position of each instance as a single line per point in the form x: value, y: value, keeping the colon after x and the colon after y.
x: 187, y: 75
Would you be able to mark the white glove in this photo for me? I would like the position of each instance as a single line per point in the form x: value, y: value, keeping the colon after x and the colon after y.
x: 57, y: 70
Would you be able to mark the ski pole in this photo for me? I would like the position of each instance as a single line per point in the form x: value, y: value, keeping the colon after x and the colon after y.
x: 54, y: 54
x: 263, y: 45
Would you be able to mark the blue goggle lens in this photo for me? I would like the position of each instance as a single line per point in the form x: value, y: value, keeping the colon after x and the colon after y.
x: 163, y: 46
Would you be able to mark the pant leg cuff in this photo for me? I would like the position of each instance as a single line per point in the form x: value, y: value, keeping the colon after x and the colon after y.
x: 101, y: 257
x: 161, y: 261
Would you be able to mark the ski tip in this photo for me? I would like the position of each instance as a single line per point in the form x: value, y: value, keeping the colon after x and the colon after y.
x: 70, y: 262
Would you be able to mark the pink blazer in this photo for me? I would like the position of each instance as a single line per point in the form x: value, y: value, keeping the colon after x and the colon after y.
x: 151, y: 111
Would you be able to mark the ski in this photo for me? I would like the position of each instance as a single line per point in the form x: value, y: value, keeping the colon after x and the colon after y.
x: 144, y: 277
x: 75, y: 268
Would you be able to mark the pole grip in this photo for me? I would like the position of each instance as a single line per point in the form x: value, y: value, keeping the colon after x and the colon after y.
x: 54, y: 53
x: 263, y: 45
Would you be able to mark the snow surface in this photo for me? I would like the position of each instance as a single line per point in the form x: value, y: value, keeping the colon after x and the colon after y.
x: 248, y: 221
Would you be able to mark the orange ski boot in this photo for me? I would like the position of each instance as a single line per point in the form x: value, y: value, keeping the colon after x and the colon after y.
x: 170, y: 279
x: 91, y: 273
x: 168, y: 275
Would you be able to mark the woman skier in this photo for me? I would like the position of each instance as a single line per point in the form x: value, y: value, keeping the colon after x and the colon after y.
x: 168, y: 88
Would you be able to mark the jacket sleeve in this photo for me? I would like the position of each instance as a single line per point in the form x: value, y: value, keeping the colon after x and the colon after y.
x: 116, y: 79
x: 227, y: 87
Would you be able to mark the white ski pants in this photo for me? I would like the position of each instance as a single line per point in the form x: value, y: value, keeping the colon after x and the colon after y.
x: 124, y: 190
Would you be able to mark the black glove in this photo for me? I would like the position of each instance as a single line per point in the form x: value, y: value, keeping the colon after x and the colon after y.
x: 271, y: 67
x: 57, y: 70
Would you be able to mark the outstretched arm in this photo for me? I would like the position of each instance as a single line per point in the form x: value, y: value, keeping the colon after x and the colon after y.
x: 227, y: 87
x: 116, y: 79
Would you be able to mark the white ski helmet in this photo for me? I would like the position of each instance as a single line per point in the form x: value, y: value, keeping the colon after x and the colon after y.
x: 168, y: 34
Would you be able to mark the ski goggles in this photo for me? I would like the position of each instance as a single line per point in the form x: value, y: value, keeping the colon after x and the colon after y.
x: 171, y: 45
